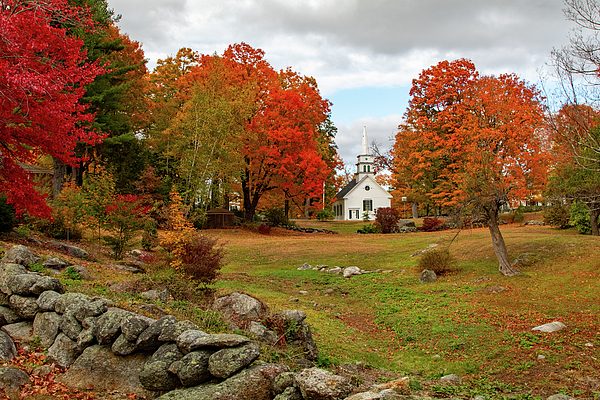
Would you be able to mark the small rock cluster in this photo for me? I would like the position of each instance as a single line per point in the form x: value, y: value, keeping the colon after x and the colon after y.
x: 306, y: 230
x: 347, y: 272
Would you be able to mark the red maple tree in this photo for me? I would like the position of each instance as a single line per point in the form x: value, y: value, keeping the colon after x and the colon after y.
x: 42, y: 77
x: 473, y: 141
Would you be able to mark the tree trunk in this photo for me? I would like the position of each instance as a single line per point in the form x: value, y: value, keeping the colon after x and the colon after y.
x: 415, y: 209
x: 60, y: 169
x: 594, y: 213
x: 505, y: 266
x: 287, y: 209
x: 306, y: 210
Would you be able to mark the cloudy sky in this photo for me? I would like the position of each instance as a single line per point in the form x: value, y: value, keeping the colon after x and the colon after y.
x: 363, y: 53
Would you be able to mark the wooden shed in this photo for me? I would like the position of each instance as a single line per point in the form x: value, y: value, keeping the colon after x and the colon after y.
x: 219, y: 218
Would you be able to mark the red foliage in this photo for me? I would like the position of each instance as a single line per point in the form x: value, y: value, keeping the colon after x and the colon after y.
x: 42, y: 77
x: 264, y: 229
x: 386, y: 218
x: 431, y: 224
x: 201, y: 259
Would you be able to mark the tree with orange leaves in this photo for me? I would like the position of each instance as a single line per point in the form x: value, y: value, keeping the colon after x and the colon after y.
x: 473, y: 142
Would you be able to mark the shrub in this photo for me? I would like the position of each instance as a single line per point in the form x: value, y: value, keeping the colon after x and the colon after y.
x: 7, y: 215
x: 431, y: 224
x: 518, y: 215
x: 201, y: 259
x: 386, y: 218
x: 264, y: 229
x: 439, y: 261
x: 150, y: 236
x: 276, y: 216
x: 580, y: 218
x: 369, y: 229
x: 126, y: 216
x: 71, y: 273
x: 325, y: 214
x: 557, y: 216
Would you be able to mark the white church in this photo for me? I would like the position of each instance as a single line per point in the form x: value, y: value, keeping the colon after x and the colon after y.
x: 362, y: 194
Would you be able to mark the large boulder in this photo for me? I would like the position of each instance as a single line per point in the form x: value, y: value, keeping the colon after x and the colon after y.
x: 20, y: 332
x: 318, y: 384
x: 46, y: 326
x: 20, y: 254
x: 351, y: 271
x: 99, y: 367
x: 63, y: 352
x: 8, y: 351
x: 133, y: 325
x: 8, y: 316
x: 192, y: 369
x: 297, y: 332
x: 69, y: 248
x: 241, y: 308
x: 11, y: 379
x: 25, y: 307
x: 155, y: 374
x: 427, y: 276
x: 47, y: 300
x: 252, y: 383
x: 228, y: 361
x: 148, y: 339
x: 108, y: 326
x: 550, y: 327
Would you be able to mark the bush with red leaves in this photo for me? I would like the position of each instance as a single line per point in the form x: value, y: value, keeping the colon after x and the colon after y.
x: 386, y: 219
x: 264, y: 229
x: 202, y: 259
x: 431, y: 224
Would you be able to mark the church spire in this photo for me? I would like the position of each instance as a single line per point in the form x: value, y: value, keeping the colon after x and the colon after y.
x: 365, y: 142
x: 365, y: 160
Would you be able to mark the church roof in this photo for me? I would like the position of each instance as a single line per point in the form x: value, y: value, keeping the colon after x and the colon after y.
x: 346, y: 189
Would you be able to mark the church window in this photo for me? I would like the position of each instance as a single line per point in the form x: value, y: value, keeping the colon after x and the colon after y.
x: 350, y: 214
x: 357, y: 214
x: 368, y: 168
x: 367, y: 205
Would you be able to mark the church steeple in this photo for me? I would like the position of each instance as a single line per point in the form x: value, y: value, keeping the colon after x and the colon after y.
x: 365, y: 160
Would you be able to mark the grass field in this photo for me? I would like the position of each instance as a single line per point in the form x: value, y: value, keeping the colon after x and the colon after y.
x: 462, y: 324
x: 458, y: 324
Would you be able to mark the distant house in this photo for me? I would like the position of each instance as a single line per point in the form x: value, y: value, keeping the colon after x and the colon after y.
x: 363, y: 194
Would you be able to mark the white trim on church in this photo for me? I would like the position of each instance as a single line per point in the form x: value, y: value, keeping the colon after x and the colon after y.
x: 362, y: 194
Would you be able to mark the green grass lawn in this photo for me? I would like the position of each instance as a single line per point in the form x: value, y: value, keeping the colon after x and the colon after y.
x: 455, y: 325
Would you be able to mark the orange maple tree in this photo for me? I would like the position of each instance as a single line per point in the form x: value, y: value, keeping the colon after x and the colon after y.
x: 473, y: 142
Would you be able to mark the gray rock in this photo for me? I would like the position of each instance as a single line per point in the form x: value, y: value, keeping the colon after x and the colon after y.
x: 4, y: 299
x: 315, y: 383
x: 534, y: 222
x: 46, y: 326
x: 262, y: 333
x: 163, y: 296
x: 283, y: 381
x: 290, y: 393
x: 351, y: 271
x: 70, y: 326
x: 6, y: 272
x: 8, y: 351
x: 214, y: 340
x: 387, y: 394
x: 47, y: 283
x: 133, y: 325
x: 127, y: 268
x: 108, y: 326
x: 193, y: 368
x: 334, y: 270
x: 304, y: 267
x: 155, y: 374
x: 525, y: 260
x: 55, y: 263
x: 123, y: 347
x: 85, y: 309
x: 451, y: 379
x: 148, y: 339
x: 69, y: 299
x: 20, y: 254
x: 242, y: 307
x: 427, y: 276
x: 228, y: 361
x: 550, y: 327
x: 254, y: 383
x: 406, y: 223
x: 294, y: 315
x: 8, y: 316
x: 25, y: 307
x: 47, y: 300
x: 11, y: 379
x: 560, y: 396
x: 170, y: 333
x: 186, y: 340
x: 21, y: 284
x: 20, y: 331
x: 63, y: 352
x: 99, y: 367
x: 69, y: 248
x: 84, y: 273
